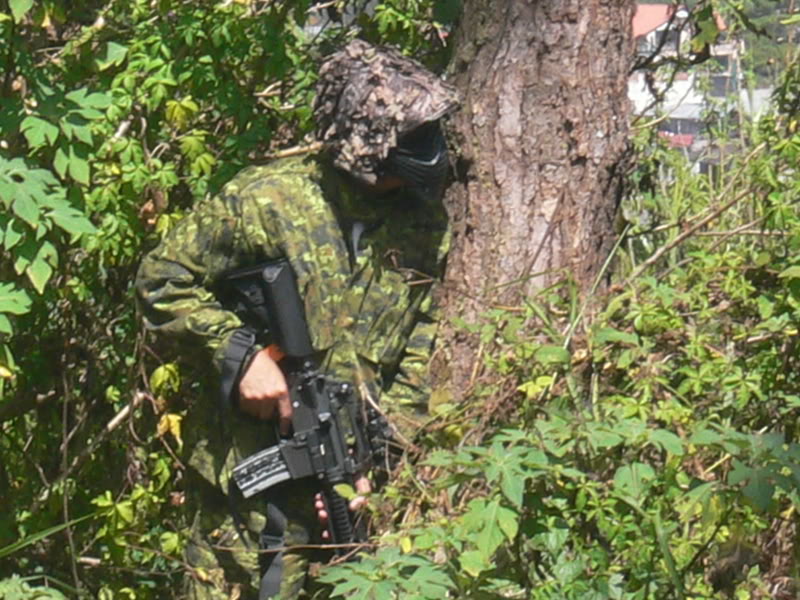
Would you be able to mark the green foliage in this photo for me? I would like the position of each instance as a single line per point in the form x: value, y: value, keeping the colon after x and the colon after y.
x: 38, y: 536
x: 115, y: 117
x: 651, y: 452
x: 767, y: 37
x: 16, y: 588
x: 37, y: 219
x: 390, y: 574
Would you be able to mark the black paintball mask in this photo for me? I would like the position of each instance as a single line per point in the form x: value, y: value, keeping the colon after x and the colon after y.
x: 420, y: 159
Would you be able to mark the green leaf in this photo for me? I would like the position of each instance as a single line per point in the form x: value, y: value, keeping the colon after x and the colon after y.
x: 698, y: 495
x: 39, y: 536
x: 609, y: 335
x: 5, y: 325
x: 705, y: 437
x: 552, y: 355
x: 13, y: 300
x: 19, y: 8
x: 178, y: 112
x: 668, y: 441
x: 71, y: 220
x: 345, y: 490
x: 38, y: 130
x: 513, y: 488
x: 26, y: 208
x: 24, y: 255
x: 74, y: 125
x: 97, y: 100
x: 508, y: 521
x: 125, y: 510
x: 61, y: 162
x: 77, y: 96
x: 192, y: 144
x: 634, y: 479
x: 8, y: 191
x: 41, y: 179
x: 165, y: 380
x: 41, y: 268
x: 90, y: 114
x: 600, y: 436
x: 39, y: 273
x: 487, y: 518
x: 531, y: 389
x: 474, y: 563
x: 84, y: 134
x: 346, y: 587
x: 759, y: 490
x: 739, y: 473
x: 170, y: 542
x: 203, y: 164
x: 790, y: 273
x: 78, y: 165
x: 104, y: 501
x: 113, y: 54
x: 706, y: 26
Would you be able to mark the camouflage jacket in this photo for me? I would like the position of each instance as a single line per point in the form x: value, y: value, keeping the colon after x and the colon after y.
x: 365, y: 268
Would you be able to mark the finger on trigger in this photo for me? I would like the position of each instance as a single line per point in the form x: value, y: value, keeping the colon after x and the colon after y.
x: 357, y: 503
x: 363, y: 485
x: 285, y: 413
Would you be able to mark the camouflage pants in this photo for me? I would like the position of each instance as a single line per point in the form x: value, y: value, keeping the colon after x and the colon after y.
x: 226, y: 567
x: 224, y: 555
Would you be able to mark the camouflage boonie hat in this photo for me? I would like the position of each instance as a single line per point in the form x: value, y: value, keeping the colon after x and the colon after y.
x: 367, y: 98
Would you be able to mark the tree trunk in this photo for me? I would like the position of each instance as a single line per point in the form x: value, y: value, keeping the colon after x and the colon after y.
x: 542, y: 144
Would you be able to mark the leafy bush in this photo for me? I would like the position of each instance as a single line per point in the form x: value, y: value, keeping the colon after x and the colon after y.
x: 15, y: 588
x: 115, y: 117
x: 649, y: 452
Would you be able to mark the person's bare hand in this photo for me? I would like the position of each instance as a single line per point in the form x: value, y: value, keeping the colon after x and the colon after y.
x: 263, y: 390
x: 363, y: 487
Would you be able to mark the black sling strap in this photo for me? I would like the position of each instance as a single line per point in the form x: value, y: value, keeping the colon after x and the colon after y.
x: 272, y: 540
x: 239, y: 346
x: 236, y: 353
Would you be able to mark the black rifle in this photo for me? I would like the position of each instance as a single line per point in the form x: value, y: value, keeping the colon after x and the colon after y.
x: 333, y: 437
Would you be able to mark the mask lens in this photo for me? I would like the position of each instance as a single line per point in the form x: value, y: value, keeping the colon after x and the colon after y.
x: 420, y: 158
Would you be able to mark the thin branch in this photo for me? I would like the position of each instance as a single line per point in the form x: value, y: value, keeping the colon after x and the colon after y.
x: 684, y: 236
x: 714, y: 214
x: 715, y: 245
x: 89, y: 450
x: 66, y: 435
x: 702, y: 549
x: 10, y: 63
x: 273, y: 89
x: 755, y: 232
x: 121, y: 130
x: 295, y: 151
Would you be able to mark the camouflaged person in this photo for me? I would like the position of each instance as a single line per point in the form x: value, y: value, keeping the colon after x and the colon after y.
x: 363, y: 227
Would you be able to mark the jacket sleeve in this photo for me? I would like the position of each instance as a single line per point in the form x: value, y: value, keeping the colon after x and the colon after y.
x: 174, y: 282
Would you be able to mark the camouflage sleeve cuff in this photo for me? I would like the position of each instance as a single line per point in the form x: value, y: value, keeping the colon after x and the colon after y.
x: 232, y: 355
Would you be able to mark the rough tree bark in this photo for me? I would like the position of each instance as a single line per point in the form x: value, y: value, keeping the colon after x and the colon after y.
x: 543, y: 139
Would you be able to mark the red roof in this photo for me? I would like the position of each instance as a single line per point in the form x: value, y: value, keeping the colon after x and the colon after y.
x: 650, y: 16
x: 677, y: 140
